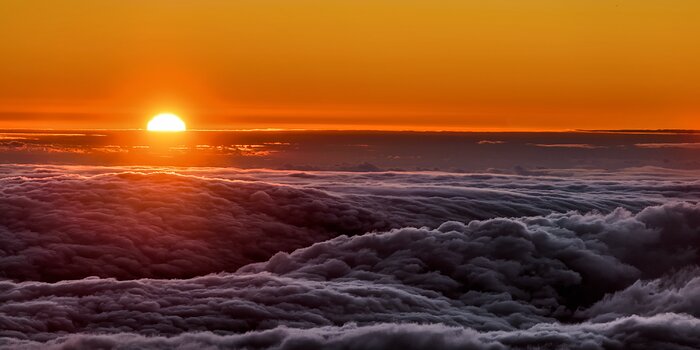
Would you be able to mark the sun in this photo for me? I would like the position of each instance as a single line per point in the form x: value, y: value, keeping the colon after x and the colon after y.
x: 166, y: 122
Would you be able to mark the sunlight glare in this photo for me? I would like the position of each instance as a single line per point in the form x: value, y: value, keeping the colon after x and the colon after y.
x: 166, y: 122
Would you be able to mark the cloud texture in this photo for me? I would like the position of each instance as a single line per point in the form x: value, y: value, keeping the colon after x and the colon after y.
x: 253, y: 259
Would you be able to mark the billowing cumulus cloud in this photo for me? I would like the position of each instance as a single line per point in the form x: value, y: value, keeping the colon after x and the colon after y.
x: 68, y: 224
x: 665, y: 331
x: 258, y: 259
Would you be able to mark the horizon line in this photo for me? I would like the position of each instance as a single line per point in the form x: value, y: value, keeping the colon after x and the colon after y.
x: 407, y: 130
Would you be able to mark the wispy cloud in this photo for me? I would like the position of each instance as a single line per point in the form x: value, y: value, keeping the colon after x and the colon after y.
x: 688, y: 145
x: 567, y: 145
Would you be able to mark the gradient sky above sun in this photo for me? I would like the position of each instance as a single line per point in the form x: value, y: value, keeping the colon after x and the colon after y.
x: 382, y: 64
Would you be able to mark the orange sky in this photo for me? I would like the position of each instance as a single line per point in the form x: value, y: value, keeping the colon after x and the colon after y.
x: 390, y: 64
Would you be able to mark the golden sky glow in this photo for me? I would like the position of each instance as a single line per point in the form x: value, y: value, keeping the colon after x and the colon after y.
x: 497, y: 64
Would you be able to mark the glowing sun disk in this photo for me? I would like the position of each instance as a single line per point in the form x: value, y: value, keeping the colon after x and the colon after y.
x: 166, y: 122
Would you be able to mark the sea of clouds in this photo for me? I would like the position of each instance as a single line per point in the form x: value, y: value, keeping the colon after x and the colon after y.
x: 208, y: 258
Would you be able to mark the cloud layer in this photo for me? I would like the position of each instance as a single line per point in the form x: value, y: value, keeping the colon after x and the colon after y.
x: 66, y: 224
x: 336, y: 260
x: 665, y: 331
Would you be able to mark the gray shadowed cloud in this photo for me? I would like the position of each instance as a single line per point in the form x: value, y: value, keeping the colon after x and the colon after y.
x: 310, y: 260
x: 68, y: 223
x: 664, y: 331
x: 500, y: 282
